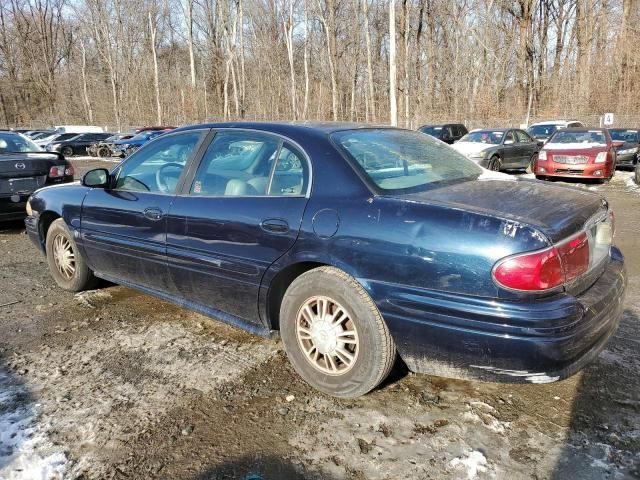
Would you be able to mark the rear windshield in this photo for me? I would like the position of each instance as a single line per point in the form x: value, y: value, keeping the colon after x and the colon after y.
x: 433, y: 131
x: 542, y: 131
x: 402, y: 160
x: 586, y: 137
x: 12, y: 142
x: 630, y: 136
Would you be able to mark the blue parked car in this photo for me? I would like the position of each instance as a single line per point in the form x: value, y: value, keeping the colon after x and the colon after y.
x: 354, y: 243
x: 125, y: 147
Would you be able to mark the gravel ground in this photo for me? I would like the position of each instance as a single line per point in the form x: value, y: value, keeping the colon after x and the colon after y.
x: 116, y: 384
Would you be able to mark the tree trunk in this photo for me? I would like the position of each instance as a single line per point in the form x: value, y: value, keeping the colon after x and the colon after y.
x: 393, y: 106
x: 156, y: 77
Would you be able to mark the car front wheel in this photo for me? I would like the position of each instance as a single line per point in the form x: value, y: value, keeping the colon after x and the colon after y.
x: 334, y: 334
x: 66, y: 264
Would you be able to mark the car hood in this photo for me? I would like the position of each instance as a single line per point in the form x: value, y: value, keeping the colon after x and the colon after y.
x: 556, y: 211
x: 627, y: 145
x: 469, y: 148
x: 576, y: 148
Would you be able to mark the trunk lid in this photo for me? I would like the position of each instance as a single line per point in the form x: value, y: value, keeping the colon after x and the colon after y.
x: 556, y: 211
x: 25, y: 172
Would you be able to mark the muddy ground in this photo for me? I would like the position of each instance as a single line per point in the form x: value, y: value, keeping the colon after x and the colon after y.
x: 115, y: 384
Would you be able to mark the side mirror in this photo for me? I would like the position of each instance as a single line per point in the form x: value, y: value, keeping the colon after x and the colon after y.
x: 617, y: 143
x: 96, y: 178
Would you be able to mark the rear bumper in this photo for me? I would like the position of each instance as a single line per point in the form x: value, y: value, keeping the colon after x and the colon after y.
x: 12, y: 207
x: 587, y: 170
x: 477, y: 338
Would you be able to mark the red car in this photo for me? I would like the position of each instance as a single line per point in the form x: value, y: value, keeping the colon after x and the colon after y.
x: 578, y: 152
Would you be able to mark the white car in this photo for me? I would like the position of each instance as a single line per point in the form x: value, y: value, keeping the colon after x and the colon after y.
x: 544, y: 130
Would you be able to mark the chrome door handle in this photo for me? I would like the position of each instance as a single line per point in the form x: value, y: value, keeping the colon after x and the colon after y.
x: 153, y: 214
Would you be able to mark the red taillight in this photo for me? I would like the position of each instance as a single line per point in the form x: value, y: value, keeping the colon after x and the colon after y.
x: 531, y: 271
x: 61, y: 171
x: 545, y: 269
x: 574, y: 256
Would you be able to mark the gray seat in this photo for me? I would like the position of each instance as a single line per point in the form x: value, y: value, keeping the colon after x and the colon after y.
x: 260, y: 184
x: 237, y: 187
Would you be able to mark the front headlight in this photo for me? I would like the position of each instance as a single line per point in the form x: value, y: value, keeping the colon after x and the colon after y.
x: 601, y: 157
x: 476, y: 155
x: 28, y: 208
x: 628, y: 151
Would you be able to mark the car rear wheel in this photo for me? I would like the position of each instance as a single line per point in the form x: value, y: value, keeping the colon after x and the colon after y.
x: 66, y: 264
x: 103, y: 152
x: 495, y: 164
x: 532, y: 163
x: 334, y: 334
x: 67, y: 151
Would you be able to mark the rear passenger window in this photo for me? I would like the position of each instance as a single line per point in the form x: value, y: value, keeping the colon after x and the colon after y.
x: 236, y: 164
x: 289, y: 173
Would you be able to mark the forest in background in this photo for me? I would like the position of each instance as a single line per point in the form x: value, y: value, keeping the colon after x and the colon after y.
x: 122, y: 63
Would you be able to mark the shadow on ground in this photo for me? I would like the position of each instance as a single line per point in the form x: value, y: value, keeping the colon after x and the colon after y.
x: 603, y: 440
x: 259, y: 468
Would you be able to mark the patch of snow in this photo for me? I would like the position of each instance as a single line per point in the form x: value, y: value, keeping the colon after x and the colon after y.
x: 473, y: 463
x: 25, y: 451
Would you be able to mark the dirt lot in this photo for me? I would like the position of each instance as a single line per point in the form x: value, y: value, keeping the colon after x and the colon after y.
x: 116, y: 384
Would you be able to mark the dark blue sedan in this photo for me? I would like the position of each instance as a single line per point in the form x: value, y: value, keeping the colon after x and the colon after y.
x: 354, y: 243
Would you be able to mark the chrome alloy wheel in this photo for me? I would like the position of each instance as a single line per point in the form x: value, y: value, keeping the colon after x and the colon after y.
x: 64, y: 256
x: 327, y: 335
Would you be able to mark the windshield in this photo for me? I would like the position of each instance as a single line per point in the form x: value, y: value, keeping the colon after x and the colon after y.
x: 542, y: 131
x: 433, y: 131
x: 484, y: 136
x: 401, y: 160
x: 630, y: 136
x: 12, y: 142
x: 582, y: 137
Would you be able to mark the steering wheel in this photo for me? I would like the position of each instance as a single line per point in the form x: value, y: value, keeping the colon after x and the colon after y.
x: 161, y: 181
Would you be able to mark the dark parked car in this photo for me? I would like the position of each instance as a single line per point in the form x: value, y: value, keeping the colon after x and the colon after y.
x: 629, y: 152
x: 24, y: 167
x: 77, y: 145
x: 448, y: 132
x: 354, y: 243
x: 499, y: 148
x: 104, y: 148
x: 124, y: 148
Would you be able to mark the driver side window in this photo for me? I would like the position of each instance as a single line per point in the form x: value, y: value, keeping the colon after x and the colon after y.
x: 157, y: 167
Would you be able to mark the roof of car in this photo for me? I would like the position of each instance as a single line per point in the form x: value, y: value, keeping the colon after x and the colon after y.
x: 554, y: 122
x: 432, y: 125
x: 326, y: 127
x: 582, y: 129
x: 502, y: 130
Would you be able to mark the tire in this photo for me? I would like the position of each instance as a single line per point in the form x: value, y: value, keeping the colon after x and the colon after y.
x: 78, y: 276
x: 67, y: 151
x: 531, y: 167
x: 494, y: 164
x: 371, y: 347
x: 103, y: 152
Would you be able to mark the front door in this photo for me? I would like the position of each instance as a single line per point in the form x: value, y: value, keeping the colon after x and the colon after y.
x: 511, y: 153
x: 241, y: 212
x: 123, y: 228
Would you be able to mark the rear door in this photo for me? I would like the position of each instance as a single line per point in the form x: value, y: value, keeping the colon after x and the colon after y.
x: 123, y: 228
x: 240, y: 212
x: 527, y: 147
